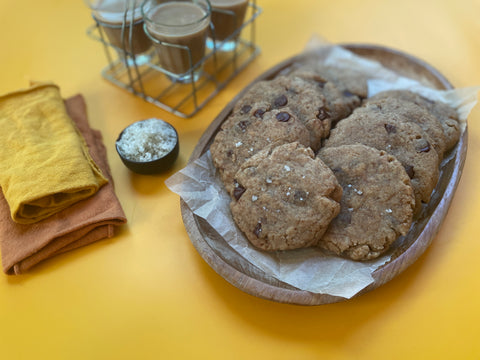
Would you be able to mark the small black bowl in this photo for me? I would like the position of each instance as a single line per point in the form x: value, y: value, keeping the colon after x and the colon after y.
x: 150, y: 132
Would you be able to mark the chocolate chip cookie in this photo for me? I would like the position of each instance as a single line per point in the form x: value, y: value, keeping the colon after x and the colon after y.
x: 447, y: 116
x: 285, y: 198
x: 377, y: 202
x: 414, y: 113
x: 340, y: 101
x: 301, y: 97
x: 243, y: 135
x: 348, y: 81
x: 402, y: 139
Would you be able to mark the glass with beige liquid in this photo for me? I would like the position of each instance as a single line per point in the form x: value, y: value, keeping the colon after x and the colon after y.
x: 227, y: 19
x: 122, y: 23
x: 178, y: 30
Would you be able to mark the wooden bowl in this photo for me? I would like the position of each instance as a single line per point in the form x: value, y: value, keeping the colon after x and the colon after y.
x: 251, y: 280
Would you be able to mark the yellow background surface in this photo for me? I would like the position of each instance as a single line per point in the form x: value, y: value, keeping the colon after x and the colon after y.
x: 147, y: 294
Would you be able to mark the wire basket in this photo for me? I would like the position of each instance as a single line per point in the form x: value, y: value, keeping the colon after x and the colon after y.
x: 150, y: 81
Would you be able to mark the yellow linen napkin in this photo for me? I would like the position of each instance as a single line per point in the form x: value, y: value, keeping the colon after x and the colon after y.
x: 45, y: 165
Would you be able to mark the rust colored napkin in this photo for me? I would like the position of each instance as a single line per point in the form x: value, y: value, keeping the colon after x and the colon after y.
x: 87, y: 221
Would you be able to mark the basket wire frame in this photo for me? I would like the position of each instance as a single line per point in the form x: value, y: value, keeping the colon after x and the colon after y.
x: 152, y: 82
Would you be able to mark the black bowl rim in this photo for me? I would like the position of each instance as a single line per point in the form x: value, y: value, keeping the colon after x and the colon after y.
x: 150, y: 161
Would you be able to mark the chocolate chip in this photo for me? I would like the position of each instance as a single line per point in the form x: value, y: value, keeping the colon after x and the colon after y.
x: 259, y: 113
x: 391, y: 129
x: 258, y: 229
x: 280, y: 101
x: 410, y: 171
x: 243, y: 125
x: 322, y: 113
x: 229, y: 153
x: 283, y: 116
x: 245, y: 109
x: 238, y: 192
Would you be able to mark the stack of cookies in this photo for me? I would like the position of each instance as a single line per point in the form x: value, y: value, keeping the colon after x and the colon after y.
x: 308, y: 160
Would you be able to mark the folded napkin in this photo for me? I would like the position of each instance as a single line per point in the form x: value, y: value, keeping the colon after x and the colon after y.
x: 44, y: 162
x: 82, y: 223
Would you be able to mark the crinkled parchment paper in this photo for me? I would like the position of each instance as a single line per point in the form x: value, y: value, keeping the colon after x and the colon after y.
x: 307, y: 269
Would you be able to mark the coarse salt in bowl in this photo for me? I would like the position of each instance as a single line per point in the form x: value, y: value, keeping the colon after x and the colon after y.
x: 148, y: 146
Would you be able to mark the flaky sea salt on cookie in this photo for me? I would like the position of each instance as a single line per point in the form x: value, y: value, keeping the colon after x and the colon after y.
x: 285, y: 198
x: 376, y: 206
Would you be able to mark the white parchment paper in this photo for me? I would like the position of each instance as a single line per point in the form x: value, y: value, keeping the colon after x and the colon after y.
x: 309, y: 269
